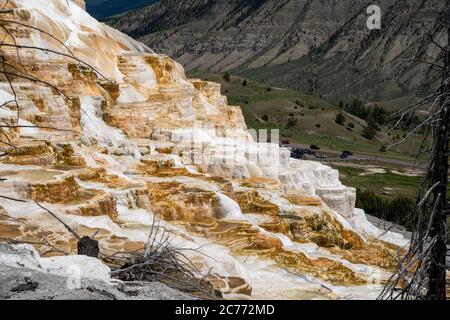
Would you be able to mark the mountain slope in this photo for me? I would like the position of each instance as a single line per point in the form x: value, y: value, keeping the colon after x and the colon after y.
x: 321, y: 47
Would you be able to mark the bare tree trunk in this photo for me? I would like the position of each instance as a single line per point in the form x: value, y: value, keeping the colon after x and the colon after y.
x: 436, y: 268
x: 88, y: 247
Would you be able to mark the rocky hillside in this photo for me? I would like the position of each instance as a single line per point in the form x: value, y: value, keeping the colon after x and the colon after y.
x: 319, y: 47
x: 117, y: 142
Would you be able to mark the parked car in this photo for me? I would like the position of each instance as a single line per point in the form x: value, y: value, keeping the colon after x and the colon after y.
x: 345, y: 154
x: 321, y: 156
x: 314, y: 147
x: 297, y: 153
x: 285, y: 142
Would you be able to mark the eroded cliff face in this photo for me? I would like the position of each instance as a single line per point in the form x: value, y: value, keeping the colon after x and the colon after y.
x: 113, y: 135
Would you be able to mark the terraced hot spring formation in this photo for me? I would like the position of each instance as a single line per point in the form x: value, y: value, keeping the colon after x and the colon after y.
x: 266, y: 227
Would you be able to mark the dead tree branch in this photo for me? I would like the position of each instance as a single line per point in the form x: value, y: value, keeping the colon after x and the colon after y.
x: 163, y: 262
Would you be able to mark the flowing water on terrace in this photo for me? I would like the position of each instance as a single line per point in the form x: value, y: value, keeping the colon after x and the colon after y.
x: 31, y: 175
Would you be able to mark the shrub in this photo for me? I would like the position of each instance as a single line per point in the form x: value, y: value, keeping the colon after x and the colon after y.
x: 226, y: 77
x: 317, y: 222
x: 369, y: 132
x: 291, y: 123
x: 398, y: 210
x: 340, y: 119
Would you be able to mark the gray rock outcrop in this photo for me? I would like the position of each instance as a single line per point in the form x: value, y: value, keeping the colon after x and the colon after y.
x: 24, y: 277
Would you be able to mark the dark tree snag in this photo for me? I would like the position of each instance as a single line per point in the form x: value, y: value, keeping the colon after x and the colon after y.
x: 436, y: 268
x: 421, y: 273
x: 88, y: 247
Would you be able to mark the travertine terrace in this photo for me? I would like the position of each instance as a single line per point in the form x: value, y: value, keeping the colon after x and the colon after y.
x: 269, y: 227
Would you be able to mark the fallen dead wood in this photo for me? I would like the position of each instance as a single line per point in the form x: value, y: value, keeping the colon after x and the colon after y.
x: 161, y: 261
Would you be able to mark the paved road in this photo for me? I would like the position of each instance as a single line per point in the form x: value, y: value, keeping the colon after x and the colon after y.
x: 333, y: 155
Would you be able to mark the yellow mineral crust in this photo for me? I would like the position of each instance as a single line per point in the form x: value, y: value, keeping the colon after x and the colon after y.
x: 252, y: 202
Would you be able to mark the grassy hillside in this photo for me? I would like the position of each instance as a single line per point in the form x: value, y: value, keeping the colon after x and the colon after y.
x: 270, y: 107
